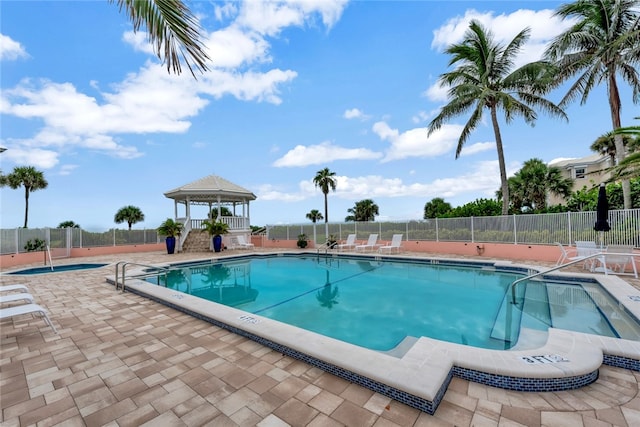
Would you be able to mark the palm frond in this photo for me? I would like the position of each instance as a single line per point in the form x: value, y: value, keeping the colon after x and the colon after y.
x: 172, y: 29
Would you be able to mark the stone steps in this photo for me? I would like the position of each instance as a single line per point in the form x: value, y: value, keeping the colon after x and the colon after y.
x: 197, y: 241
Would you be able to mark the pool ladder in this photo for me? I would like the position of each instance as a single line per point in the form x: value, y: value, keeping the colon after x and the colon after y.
x: 124, y: 265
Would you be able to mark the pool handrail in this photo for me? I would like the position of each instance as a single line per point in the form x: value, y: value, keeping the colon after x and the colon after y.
x: 124, y: 265
x: 558, y: 267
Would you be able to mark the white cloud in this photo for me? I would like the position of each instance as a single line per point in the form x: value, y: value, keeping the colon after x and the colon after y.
x: 268, y: 192
x: 415, y: 143
x: 270, y: 17
x: 542, y: 24
x: 478, y: 147
x: 10, y: 50
x: 37, y: 157
x: 423, y: 116
x: 231, y: 48
x: 354, y: 113
x: 67, y: 169
x: 139, y: 41
x: 323, y: 153
x: 249, y: 86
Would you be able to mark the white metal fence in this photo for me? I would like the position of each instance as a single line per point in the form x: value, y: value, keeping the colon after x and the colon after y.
x: 61, y: 240
x: 538, y: 229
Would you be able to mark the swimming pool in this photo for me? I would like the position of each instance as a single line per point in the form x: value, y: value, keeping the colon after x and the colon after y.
x: 417, y: 372
x: 379, y: 304
x: 58, y: 268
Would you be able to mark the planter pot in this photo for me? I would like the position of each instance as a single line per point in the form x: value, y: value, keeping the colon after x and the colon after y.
x: 217, y: 243
x: 171, y: 244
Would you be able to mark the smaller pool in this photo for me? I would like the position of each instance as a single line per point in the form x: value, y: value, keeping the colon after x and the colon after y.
x: 57, y: 268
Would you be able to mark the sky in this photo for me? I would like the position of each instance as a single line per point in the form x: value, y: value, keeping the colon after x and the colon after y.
x: 293, y: 87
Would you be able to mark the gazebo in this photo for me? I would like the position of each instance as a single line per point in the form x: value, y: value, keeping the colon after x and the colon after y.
x: 213, y: 191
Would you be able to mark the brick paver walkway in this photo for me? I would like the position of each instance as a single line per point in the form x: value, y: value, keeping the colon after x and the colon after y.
x: 122, y: 360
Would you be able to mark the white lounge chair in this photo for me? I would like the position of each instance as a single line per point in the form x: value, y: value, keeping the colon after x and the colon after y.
x: 567, y: 254
x: 238, y: 242
x: 19, y: 310
x: 585, y: 249
x: 616, y: 262
x: 15, y: 297
x: 10, y: 288
x: 350, y: 243
x: 396, y: 241
x: 371, y: 243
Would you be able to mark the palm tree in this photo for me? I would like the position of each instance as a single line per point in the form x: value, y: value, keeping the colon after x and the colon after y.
x: 325, y: 179
x: 605, y: 145
x: 68, y: 224
x: 129, y: 214
x: 314, y: 215
x: 530, y: 186
x: 172, y: 29
x: 364, y: 210
x: 483, y: 79
x: 599, y: 47
x: 28, y: 177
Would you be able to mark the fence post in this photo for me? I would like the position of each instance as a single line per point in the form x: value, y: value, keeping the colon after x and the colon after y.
x: 472, y: 239
x: 437, y: 235
x: 515, y: 230
x: 17, y: 239
x: 569, y: 227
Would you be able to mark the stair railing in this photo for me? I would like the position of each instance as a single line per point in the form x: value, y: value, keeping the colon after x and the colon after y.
x: 557, y: 267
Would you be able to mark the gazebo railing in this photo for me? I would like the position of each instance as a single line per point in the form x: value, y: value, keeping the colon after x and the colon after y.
x: 235, y: 223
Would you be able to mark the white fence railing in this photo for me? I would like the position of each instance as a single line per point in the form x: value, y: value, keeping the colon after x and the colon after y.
x: 538, y: 229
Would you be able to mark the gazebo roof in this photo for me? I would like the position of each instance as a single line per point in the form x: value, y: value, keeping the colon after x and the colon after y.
x: 210, y: 189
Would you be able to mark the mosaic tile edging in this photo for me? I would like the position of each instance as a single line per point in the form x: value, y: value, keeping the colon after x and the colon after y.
x: 386, y: 390
x: 621, y: 362
x: 495, y: 380
x: 526, y: 384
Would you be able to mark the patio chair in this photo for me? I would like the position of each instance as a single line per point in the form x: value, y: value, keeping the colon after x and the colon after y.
x: 350, y: 243
x: 16, y: 297
x: 585, y: 249
x: 396, y: 241
x: 238, y: 242
x: 614, y: 261
x: 10, y: 288
x: 567, y: 254
x: 371, y: 243
x: 19, y: 310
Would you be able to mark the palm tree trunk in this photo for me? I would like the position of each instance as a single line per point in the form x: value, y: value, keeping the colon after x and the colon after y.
x: 504, y: 184
x: 26, y: 205
x: 614, y: 105
x: 326, y: 209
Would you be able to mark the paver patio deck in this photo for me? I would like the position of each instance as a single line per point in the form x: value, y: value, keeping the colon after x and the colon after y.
x: 122, y: 360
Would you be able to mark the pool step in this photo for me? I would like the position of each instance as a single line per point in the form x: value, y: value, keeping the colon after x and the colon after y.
x: 536, y: 313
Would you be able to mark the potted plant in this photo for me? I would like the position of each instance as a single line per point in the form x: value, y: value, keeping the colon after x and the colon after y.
x: 216, y: 229
x: 171, y: 229
x: 302, y: 241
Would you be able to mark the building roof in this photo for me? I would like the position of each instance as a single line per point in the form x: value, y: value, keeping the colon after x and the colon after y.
x: 592, y: 159
x: 210, y: 189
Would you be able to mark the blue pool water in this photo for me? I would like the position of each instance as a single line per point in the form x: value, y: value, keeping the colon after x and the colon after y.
x: 377, y: 304
x: 57, y: 268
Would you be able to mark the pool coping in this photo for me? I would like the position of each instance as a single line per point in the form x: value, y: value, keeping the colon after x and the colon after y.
x: 419, y: 378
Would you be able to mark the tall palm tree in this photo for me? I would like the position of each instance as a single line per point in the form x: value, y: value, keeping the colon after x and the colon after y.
x: 484, y: 79
x: 314, y: 215
x: 599, y: 47
x: 326, y: 181
x: 630, y: 166
x: 530, y: 186
x: 28, y: 177
x: 129, y: 214
x: 172, y: 29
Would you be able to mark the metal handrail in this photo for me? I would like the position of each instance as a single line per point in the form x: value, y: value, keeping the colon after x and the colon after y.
x: 124, y: 265
x: 558, y: 267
